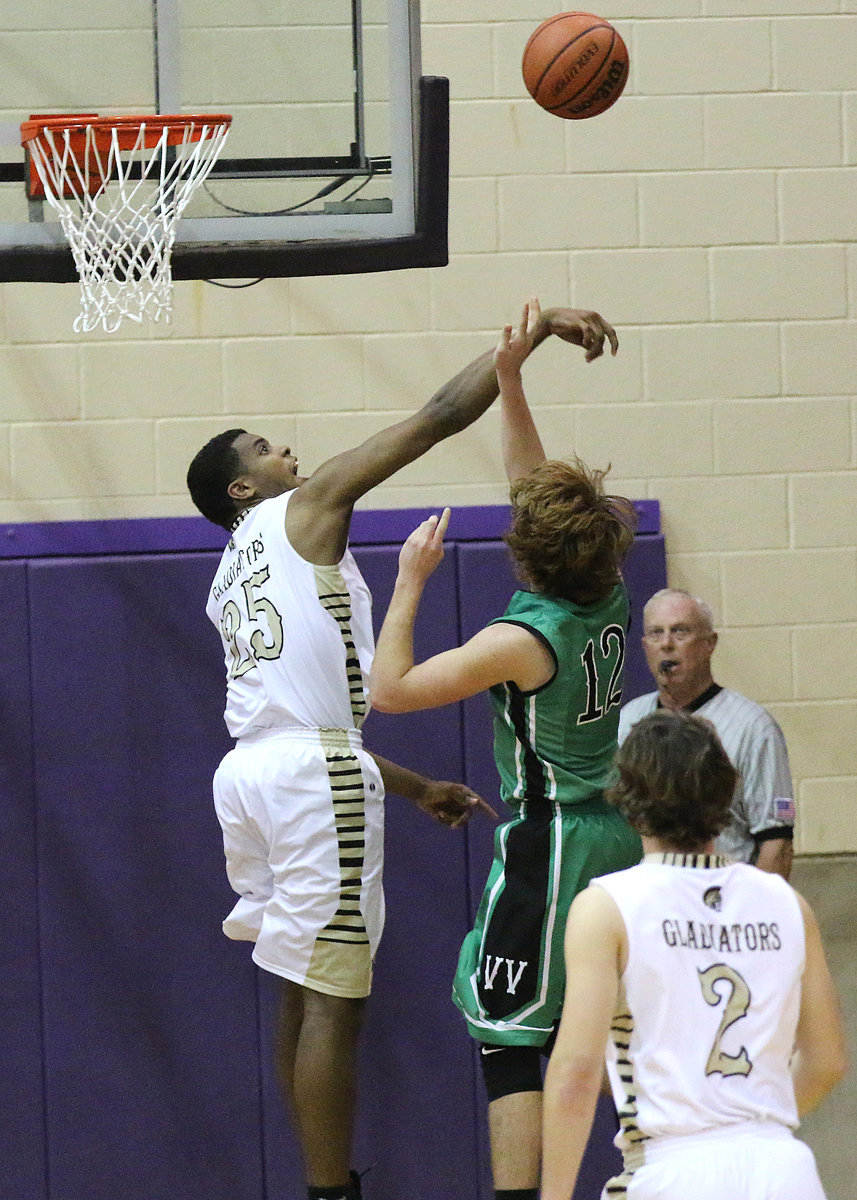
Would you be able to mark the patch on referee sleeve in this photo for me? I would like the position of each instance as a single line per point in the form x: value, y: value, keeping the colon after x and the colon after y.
x: 784, y: 809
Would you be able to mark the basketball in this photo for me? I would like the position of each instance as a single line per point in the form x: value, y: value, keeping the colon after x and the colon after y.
x: 575, y: 65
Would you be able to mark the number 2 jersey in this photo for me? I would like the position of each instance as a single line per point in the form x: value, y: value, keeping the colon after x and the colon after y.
x: 709, y: 1000
x: 297, y: 637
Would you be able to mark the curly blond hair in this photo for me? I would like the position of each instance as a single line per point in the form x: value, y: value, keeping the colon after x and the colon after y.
x: 568, y: 537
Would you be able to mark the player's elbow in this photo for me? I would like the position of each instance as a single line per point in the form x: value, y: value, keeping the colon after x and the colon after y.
x: 386, y: 698
x: 818, y: 1075
x: 838, y: 1067
x: 576, y: 1081
x: 820, y: 1088
x: 831, y: 1071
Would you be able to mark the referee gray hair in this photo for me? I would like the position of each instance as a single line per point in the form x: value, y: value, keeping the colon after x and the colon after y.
x: 705, y: 609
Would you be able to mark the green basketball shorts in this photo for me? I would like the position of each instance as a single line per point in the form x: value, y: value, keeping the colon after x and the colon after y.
x: 510, y: 979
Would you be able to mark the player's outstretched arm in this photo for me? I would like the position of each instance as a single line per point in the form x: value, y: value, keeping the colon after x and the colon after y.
x: 451, y: 804
x: 501, y: 651
x: 820, y: 1058
x: 593, y: 956
x: 320, y: 513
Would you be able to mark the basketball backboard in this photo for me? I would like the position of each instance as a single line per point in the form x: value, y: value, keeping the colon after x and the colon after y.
x: 337, y: 160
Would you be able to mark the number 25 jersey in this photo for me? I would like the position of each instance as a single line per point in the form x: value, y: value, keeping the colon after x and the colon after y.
x: 297, y: 637
x: 710, y: 997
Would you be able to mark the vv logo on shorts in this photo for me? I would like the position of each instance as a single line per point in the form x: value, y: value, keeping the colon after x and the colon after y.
x: 508, y: 979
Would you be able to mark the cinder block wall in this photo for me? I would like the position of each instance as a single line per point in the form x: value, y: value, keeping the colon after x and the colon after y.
x: 709, y: 215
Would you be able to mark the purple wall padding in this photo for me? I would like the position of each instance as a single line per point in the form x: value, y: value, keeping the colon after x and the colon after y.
x: 139, y: 1037
x: 21, y: 1095
x: 151, y: 535
x: 418, y: 1114
x: 150, y: 1043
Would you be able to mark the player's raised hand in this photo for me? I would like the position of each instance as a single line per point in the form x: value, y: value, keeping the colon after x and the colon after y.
x: 516, y: 343
x: 422, y: 553
x: 582, y: 328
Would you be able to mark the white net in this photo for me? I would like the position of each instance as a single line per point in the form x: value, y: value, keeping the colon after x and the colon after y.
x: 119, y: 191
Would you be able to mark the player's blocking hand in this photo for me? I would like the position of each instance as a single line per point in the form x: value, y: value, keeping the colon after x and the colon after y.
x: 582, y: 328
x: 452, y: 804
x: 422, y: 553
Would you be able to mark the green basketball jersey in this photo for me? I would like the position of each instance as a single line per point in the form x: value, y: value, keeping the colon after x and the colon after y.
x: 556, y: 745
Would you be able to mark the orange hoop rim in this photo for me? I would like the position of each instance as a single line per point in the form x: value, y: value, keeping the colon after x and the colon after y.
x: 103, y: 126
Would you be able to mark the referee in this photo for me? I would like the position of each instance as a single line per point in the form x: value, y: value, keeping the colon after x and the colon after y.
x: 679, y: 640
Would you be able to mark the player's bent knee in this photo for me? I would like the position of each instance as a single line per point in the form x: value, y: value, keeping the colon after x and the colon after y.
x: 510, y: 1069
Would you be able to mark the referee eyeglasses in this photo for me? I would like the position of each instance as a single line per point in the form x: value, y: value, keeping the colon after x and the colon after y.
x: 676, y: 633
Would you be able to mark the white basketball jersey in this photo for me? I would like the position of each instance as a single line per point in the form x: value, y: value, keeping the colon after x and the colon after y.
x: 297, y: 637
x: 707, y: 1012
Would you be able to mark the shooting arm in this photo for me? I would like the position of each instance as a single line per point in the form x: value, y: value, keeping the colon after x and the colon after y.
x: 519, y: 438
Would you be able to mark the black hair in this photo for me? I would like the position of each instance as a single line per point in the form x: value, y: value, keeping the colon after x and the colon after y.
x: 209, y: 475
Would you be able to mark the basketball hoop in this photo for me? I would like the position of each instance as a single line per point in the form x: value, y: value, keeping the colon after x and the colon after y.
x: 119, y: 185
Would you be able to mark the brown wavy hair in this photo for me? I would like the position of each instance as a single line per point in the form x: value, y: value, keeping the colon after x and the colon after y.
x: 676, y: 782
x: 568, y: 537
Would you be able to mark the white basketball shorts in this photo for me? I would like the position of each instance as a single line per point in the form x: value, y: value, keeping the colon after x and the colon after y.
x: 763, y: 1162
x: 302, y: 814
